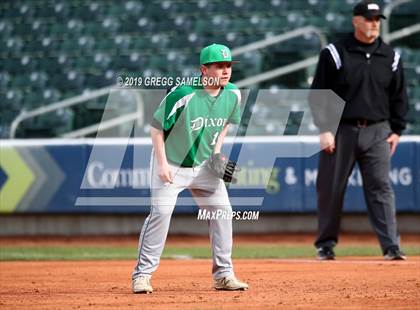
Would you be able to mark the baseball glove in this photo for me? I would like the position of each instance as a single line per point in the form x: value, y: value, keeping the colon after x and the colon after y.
x: 222, y: 167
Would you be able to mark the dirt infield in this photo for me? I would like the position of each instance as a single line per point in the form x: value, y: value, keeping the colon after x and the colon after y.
x: 357, y: 283
x: 347, y: 283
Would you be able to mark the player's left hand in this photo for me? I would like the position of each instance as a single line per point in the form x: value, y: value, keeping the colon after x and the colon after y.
x: 393, y: 140
x: 223, y: 168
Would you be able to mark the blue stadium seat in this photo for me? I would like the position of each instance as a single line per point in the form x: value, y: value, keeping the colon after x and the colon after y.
x: 60, y: 48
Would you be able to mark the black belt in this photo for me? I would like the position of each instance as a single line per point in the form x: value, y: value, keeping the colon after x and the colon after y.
x: 361, y: 123
x: 181, y: 165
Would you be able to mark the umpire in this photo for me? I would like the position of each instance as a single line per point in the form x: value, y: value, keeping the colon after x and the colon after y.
x: 368, y: 75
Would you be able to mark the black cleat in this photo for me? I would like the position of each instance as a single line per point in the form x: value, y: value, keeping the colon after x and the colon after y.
x: 395, y: 254
x: 326, y: 253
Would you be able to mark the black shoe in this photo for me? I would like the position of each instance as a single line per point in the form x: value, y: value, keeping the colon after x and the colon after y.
x: 395, y: 254
x: 326, y: 253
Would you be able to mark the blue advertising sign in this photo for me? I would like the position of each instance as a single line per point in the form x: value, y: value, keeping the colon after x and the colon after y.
x: 109, y: 176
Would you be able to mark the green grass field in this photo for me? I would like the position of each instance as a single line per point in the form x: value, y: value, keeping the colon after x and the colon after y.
x: 11, y: 253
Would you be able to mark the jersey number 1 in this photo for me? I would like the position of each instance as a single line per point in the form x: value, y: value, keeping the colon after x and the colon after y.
x: 215, y: 138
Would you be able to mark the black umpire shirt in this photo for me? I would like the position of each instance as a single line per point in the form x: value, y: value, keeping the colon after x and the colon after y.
x: 368, y: 77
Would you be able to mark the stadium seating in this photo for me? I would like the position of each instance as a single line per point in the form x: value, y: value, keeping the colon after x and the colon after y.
x: 53, y: 50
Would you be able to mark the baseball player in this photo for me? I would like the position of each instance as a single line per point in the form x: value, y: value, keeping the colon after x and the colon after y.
x: 188, y: 130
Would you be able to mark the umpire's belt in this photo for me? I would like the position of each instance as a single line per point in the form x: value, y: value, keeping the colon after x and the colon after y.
x: 361, y: 123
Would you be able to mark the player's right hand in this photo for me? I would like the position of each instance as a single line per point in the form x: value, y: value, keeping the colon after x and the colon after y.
x: 164, y: 173
x: 327, y: 142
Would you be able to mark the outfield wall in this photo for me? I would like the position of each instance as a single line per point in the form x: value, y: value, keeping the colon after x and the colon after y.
x: 50, y: 187
x: 101, y: 177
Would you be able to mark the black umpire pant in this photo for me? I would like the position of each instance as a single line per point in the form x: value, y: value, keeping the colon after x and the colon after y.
x: 368, y: 147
